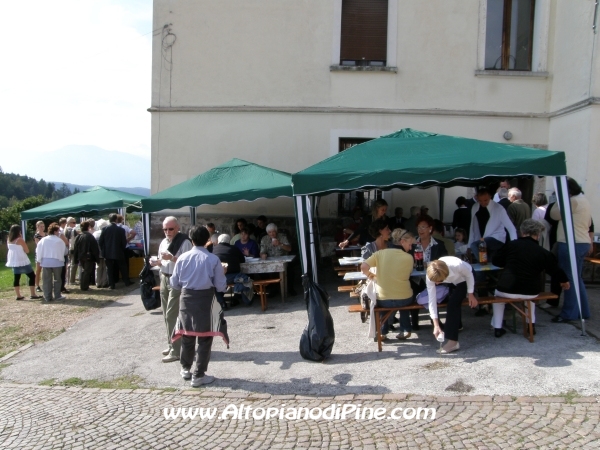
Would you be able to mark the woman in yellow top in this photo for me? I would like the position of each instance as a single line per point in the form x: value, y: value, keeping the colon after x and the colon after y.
x: 394, y: 266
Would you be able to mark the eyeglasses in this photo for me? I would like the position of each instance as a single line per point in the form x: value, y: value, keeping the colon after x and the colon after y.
x: 423, y: 227
x: 168, y: 229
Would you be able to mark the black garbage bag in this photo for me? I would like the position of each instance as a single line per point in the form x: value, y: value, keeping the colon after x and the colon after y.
x: 318, y: 337
x: 150, y: 298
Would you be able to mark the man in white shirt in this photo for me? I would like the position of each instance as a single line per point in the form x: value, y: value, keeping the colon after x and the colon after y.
x: 488, y: 221
x: 172, y: 246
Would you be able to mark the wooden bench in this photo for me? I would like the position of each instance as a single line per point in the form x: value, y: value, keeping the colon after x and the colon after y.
x: 517, y: 303
x: 347, y: 288
x: 593, y: 261
x: 261, y: 291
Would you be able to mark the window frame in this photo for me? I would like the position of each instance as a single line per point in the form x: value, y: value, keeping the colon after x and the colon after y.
x: 392, y: 42
x: 539, y: 57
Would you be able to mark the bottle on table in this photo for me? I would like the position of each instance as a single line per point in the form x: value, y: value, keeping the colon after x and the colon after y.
x: 419, y: 257
x: 483, y: 255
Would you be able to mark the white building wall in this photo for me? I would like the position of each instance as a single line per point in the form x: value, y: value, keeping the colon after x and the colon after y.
x: 252, y: 79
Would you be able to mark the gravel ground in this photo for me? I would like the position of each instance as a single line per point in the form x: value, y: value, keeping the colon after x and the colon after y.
x: 123, y: 339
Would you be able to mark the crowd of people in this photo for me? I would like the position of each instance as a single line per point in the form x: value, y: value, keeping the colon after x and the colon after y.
x: 525, y: 244
x: 66, y: 253
x: 195, y: 270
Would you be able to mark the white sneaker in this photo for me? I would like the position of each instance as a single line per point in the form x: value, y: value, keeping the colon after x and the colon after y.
x: 185, y: 374
x: 206, y: 379
x: 166, y: 351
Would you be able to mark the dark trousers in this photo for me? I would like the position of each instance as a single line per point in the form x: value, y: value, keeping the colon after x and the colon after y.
x: 457, y: 295
x: 111, y: 266
x: 187, y: 353
x: 87, y: 274
x: 63, y: 276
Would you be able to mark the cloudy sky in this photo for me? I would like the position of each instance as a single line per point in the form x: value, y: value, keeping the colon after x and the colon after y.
x: 75, y: 72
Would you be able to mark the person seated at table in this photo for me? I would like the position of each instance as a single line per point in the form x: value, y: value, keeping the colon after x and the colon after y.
x: 345, y: 231
x: 432, y: 250
x: 247, y: 246
x: 261, y: 228
x: 439, y: 233
x: 524, y: 260
x: 460, y: 241
x: 274, y: 244
x: 397, y: 221
x: 459, y: 277
x: 377, y: 212
x: 380, y: 231
x: 237, y: 228
x: 252, y: 232
x: 231, y: 255
x: 394, y: 266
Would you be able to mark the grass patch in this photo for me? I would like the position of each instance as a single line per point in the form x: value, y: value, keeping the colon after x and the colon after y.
x: 125, y: 382
x: 569, y: 395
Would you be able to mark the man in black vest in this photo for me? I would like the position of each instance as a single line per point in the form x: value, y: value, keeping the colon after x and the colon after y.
x: 112, y: 245
x: 172, y: 246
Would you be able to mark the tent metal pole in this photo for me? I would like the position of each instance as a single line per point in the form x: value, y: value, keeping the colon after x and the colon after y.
x: 313, y: 251
x: 146, y: 230
x: 301, y: 232
x: 24, y: 229
x: 564, y: 202
x: 192, y: 215
x: 441, y: 195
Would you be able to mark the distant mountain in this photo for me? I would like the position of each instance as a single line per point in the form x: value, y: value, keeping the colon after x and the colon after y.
x: 85, y: 165
x: 145, y: 192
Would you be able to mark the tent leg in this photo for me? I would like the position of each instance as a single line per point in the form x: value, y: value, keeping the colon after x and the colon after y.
x: 564, y: 203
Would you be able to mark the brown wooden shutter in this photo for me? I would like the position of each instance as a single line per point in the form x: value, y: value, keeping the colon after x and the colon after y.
x: 364, y: 30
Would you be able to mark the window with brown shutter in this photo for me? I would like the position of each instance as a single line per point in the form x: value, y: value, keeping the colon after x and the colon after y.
x: 364, y: 33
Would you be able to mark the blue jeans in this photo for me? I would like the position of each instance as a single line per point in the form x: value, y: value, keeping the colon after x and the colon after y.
x: 570, y: 309
x: 404, y: 315
x: 492, y: 246
x: 221, y: 295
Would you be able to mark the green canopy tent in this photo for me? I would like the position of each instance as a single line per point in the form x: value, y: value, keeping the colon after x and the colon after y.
x: 232, y: 181
x: 92, y: 200
x: 410, y: 158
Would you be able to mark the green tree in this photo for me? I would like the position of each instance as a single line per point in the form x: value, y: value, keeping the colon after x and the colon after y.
x: 12, y: 215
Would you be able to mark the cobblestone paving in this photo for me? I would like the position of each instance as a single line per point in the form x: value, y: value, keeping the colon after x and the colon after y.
x: 74, y: 418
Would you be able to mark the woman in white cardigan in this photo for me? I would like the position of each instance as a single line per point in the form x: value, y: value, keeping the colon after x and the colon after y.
x: 51, y: 257
x: 458, y: 274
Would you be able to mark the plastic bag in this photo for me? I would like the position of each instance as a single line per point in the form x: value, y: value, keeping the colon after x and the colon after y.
x: 441, y: 292
x: 316, y: 342
x: 150, y: 298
